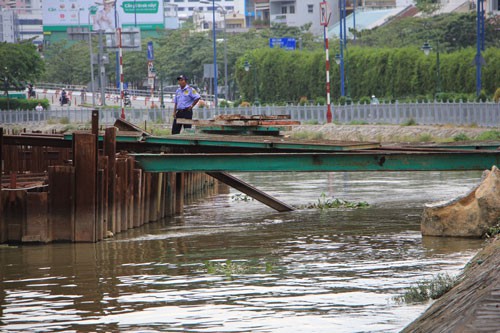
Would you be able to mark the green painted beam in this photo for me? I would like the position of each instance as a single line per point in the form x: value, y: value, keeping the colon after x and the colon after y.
x: 360, y: 161
x: 237, y: 142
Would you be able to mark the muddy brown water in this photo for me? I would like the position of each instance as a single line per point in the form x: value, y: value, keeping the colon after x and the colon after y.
x: 302, y: 271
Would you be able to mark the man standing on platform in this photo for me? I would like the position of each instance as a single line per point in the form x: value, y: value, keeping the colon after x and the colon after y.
x: 185, y: 99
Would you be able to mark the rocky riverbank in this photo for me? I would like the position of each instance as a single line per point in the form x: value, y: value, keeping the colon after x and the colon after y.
x: 388, y: 133
x: 471, y: 306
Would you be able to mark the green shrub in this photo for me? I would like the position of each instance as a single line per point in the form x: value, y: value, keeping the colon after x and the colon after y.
x: 428, y: 289
x: 307, y: 135
x: 344, y: 100
x: 365, y: 100
x: 425, y: 137
x: 224, y: 104
x: 22, y: 104
x: 489, y: 136
x: 496, y: 96
x: 409, y: 122
x: 482, y: 97
x: 320, y: 100
x: 461, y: 137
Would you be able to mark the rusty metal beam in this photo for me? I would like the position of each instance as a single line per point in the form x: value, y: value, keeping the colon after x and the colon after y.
x: 248, y: 189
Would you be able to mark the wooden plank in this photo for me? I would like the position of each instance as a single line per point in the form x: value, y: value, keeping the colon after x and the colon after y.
x: 238, y: 123
x: 99, y: 228
x: 36, y: 229
x: 109, y: 148
x: 3, y: 226
x: 130, y: 191
x: 137, y: 197
x: 85, y: 159
x: 170, y: 197
x: 179, y: 193
x: 1, y: 165
x: 121, y: 172
x: 259, y: 116
x: 61, y: 203
x: 124, y: 125
x: 103, y: 194
x: 14, y: 209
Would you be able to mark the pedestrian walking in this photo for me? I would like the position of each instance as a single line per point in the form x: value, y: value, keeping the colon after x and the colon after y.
x: 185, y: 99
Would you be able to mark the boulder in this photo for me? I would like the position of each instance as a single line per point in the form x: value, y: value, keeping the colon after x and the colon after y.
x: 470, y: 215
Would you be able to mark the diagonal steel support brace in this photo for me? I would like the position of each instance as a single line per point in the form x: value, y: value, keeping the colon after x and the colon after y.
x: 248, y: 189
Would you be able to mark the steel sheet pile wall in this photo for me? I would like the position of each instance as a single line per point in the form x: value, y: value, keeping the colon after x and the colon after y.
x: 90, y: 195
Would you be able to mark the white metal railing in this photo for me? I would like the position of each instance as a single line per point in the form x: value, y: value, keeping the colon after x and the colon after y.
x: 480, y: 114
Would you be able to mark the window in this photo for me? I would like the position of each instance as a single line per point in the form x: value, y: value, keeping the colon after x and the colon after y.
x: 283, y: 10
x: 292, y: 9
x: 310, y: 9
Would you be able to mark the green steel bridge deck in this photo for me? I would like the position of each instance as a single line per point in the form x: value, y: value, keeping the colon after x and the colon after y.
x: 264, y: 154
x: 216, y: 153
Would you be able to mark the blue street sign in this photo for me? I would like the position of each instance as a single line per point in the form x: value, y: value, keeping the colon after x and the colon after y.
x: 151, y: 55
x: 283, y: 43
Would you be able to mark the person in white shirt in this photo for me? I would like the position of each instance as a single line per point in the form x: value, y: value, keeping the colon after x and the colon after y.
x: 39, y: 107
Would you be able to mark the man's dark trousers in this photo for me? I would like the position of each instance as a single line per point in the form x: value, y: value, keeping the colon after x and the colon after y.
x: 184, y: 114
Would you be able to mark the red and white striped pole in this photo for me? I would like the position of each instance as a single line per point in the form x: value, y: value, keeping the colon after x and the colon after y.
x: 328, y: 102
x: 324, y: 19
x: 120, y: 56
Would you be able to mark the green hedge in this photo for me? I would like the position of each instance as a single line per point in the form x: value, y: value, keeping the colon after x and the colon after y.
x: 404, y: 73
x: 22, y: 104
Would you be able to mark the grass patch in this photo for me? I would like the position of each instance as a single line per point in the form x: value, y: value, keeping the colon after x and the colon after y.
x: 310, y: 122
x: 493, y: 231
x: 425, y: 137
x: 241, y: 197
x: 461, y: 137
x: 489, y: 136
x: 409, y: 122
x: 358, y: 122
x: 229, y: 267
x: 332, y: 203
x: 307, y: 135
x: 158, y: 131
x: 428, y: 289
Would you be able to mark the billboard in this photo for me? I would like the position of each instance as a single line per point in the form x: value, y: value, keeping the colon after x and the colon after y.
x: 58, y: 15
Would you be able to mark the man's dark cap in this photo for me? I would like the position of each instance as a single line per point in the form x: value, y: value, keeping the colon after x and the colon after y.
x: 182, y: 76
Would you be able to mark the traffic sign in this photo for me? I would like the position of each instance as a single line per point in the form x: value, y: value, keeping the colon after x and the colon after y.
x: 151, y: 55
x: 324, y: 16
x: 151, y: 69
x: 283, y: 43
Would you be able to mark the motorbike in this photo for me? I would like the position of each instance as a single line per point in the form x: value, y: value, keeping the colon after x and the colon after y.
x: 126, y: 100
x: 64, y: 100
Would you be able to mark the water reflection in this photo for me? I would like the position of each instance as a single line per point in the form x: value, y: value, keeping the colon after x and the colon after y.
x: 303, y: 271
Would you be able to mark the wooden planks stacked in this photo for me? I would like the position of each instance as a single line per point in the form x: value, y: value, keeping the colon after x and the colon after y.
x: 241, y: 124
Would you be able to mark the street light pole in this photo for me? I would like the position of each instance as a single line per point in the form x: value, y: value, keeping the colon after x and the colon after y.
x: 427, y: 48
x: 215, y: 46
x: 215, y: 53
x: 247, y: 67
x: 226, y: 86
x: 91, y: 62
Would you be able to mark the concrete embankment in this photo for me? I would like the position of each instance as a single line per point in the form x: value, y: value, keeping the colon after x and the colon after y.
x: 471, y: 306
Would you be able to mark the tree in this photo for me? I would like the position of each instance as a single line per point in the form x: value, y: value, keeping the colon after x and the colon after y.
x: 68, y: 63
x: 21, y: 63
